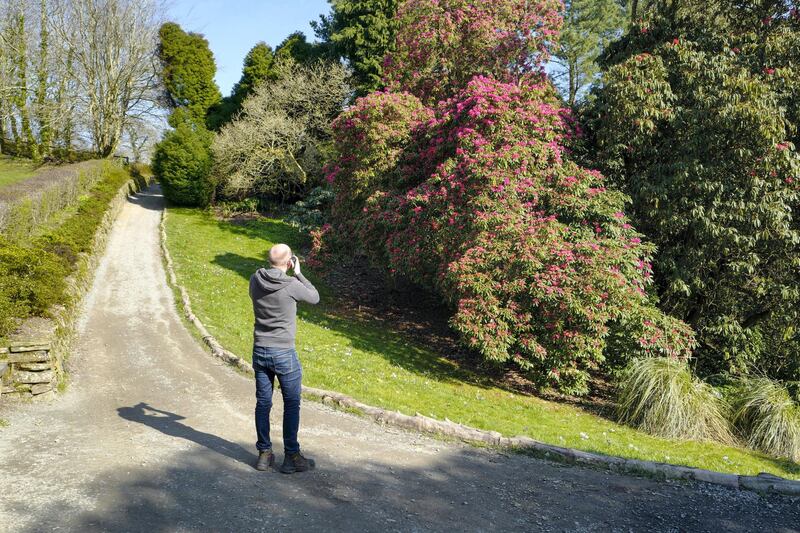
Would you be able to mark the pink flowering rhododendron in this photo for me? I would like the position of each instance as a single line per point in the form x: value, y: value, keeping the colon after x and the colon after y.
x: 535, y: 256
x: 474, y: 197
x: 442, y: 44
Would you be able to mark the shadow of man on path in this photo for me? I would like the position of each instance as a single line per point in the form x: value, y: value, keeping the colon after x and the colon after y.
x: 169, y: 424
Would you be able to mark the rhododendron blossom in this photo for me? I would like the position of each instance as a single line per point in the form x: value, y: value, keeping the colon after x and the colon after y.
x: 475, y: 200
x: 441, y: 45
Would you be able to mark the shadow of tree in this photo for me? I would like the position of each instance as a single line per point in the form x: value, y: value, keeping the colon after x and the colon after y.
x: 150, y: 198
x: 244, y: 266
x: 364, y: 334
x: 269, y: 230
x: 456, y: 490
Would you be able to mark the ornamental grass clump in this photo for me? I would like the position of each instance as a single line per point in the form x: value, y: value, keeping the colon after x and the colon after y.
x: 766, y: 417
x: 660, y: 395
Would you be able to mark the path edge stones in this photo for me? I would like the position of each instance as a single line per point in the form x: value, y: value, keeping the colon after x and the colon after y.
x: 762, y: 483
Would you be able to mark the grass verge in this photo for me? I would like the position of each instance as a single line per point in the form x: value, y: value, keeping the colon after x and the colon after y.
x: 13, y: 170
x: 380, y: 367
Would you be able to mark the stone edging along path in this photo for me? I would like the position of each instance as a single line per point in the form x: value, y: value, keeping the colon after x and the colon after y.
x: 764, y: 483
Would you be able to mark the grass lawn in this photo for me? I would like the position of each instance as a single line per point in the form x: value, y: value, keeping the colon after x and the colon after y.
x: 13, y: 169
x: 214, y: 261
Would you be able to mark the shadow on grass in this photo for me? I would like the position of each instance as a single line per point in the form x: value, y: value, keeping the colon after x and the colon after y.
x: 244, y: 266
x: 365, y: 334
x: 271, y: 231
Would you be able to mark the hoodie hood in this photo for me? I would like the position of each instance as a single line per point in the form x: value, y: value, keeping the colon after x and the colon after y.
x: 271, y: 279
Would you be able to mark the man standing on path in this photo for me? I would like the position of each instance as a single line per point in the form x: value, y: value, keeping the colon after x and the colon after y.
x: 275, y: 296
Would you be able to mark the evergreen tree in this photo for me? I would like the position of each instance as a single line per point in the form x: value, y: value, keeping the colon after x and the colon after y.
x: 188, y: 73
x: 259, y: 66
x: 588, y: 27
x: 362, y: 32
x: 297, y: 48
x: 697, y: 121
x: 183, y: 160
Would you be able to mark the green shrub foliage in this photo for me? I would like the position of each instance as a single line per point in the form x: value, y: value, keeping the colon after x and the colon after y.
x: 30, y: 281
x: 182, y: 162
x: 76, y: 234
x: 697, y: 122
x: 311, y: 212
x: 33, y: 276
x: 362, y: 32
x: 660, y: 395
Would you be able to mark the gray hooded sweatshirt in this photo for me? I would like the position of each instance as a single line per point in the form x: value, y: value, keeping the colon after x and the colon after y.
x: 275, y: 296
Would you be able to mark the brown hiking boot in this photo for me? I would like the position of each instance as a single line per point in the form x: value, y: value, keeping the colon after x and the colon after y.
x: 295, y: 462
x: 266, y: 460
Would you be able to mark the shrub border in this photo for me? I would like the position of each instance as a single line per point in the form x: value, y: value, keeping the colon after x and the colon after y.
x: 762, y: 483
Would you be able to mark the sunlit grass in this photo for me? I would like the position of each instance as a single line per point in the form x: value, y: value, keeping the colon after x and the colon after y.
x: 381, y: 367
x: 13, y: 170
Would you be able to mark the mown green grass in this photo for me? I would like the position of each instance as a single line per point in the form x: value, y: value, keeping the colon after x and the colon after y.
x: 363, y: 359
x: 14, y: 169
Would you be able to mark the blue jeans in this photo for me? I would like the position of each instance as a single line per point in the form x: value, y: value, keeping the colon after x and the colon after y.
x: 283, y: 363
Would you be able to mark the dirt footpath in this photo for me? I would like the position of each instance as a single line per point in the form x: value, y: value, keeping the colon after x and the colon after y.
x: 154, y: 435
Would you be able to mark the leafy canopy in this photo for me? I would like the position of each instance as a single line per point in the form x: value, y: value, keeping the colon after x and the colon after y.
x: 362, y: 32
x: 188, y: 70
x: 697, y: 122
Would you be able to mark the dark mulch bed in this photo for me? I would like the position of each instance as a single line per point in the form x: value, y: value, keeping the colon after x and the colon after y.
x: 366, y: 293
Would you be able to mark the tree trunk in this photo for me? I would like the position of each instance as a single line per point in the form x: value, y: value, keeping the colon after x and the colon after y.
x: 42, y: 111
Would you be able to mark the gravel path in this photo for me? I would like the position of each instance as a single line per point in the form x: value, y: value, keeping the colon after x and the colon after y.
x: 155, y: 435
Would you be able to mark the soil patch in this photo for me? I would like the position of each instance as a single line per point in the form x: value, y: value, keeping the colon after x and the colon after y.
x: 366, y: 293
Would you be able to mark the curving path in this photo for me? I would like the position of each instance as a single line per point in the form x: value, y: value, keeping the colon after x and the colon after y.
x: 155, y: 435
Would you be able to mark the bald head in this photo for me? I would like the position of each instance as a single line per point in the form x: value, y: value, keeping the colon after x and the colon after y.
x: 279, y: 255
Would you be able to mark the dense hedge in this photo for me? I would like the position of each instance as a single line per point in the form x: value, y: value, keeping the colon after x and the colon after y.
x: 30, y: 280
x: 33, y: 277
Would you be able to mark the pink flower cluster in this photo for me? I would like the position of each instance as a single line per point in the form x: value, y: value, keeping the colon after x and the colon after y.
x: 475, y: 199
x: 457, y: 178
x: 442, y: 44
